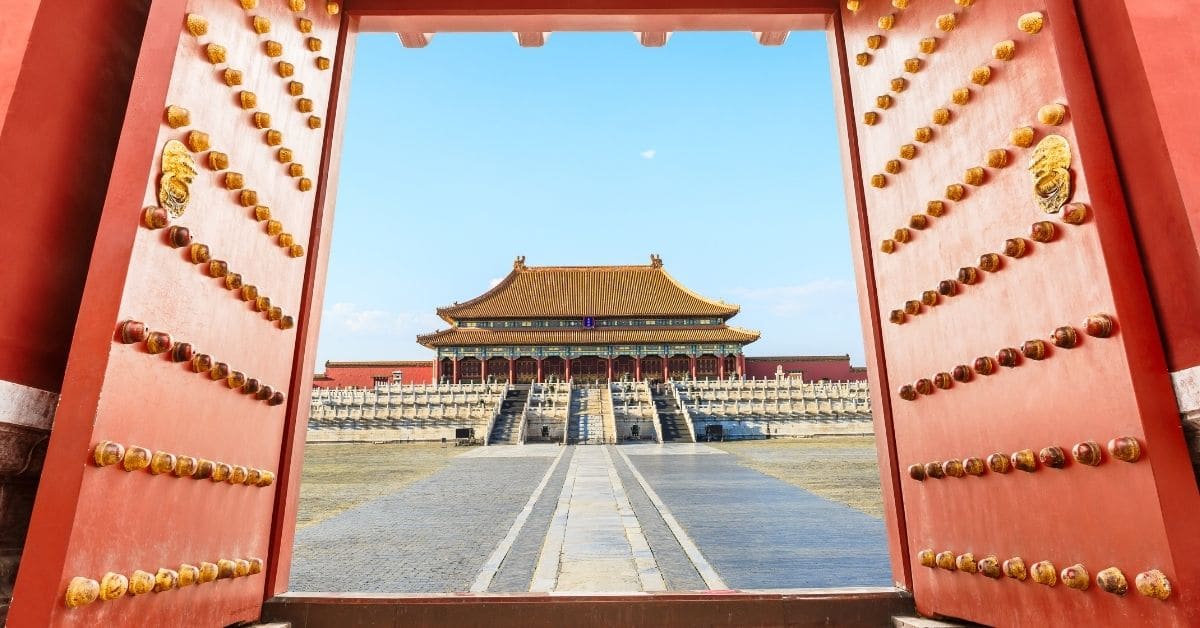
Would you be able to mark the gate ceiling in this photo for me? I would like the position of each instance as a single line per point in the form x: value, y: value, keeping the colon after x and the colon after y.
x: 193, y: 386
x: 1002, y: 254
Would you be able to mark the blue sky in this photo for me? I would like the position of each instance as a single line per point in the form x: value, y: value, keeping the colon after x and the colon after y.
x: 717, y: 153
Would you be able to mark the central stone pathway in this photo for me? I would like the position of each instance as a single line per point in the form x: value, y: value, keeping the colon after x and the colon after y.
x: 597, y: 518
x: 595, y: 542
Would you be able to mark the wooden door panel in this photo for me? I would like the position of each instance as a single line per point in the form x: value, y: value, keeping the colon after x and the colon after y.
x: 1117, y: 514
x: 124, y: 521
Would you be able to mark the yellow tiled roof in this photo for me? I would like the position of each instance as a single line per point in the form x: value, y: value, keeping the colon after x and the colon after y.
x: 459, y: 337
x: 579, y: 291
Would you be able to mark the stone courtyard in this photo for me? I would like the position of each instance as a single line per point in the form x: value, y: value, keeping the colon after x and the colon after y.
x: 591, y: 519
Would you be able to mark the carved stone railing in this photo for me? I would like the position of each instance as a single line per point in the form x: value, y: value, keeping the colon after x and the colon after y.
x: 487, y: 434
x: 683, y: 410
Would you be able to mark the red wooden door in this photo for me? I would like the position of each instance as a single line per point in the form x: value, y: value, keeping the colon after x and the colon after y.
x: 92, y: 520
x: 993, y: 229
x: 173, y: 428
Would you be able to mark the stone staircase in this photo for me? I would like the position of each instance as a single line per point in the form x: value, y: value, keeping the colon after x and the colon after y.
x: 670, y: 417
x: 505, y: 430
x: 586, y: 422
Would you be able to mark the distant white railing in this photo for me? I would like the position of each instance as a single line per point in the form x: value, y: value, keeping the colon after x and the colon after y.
x: 524, y: 419
x: 658, y: 437
x: 608, y: 415
x: 487, y: 434
x: 567, y: 421
x: 687, y: 416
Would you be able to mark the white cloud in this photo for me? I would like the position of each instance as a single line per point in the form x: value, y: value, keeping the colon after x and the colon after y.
x: 788, y: 300
x: 648, y: 153
x: 351, y: 318
x: 495, y: 281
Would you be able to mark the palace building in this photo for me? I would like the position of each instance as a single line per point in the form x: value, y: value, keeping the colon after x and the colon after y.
x: 588, y: 324
x: 370, y: 374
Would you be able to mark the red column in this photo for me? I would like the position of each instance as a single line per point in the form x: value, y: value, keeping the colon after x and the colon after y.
x: 454, y: 372
x: 637, y: 369
x: 692, y: 365
x: 538, y: 379
x: 741, y: 365
x: 666, y: 362
x: 610, y: 369
x: 567, y: 366
x: 721, y: 367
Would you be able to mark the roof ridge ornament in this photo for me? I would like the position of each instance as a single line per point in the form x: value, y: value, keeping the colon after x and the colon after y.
x: 655, y: 261
x: 519, y: 263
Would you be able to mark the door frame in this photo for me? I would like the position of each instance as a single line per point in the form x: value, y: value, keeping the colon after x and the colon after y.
x: 1100, y: 23
x: 589, y: 15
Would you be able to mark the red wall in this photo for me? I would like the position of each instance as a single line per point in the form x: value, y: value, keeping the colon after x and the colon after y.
x: 56, y: 109
x: 835, y: 368
x: 362, y: 374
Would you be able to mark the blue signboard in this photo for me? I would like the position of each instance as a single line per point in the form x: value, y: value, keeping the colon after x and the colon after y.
x: 589, y: 322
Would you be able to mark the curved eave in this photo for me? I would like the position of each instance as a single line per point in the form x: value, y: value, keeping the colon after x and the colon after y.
x: 447, y: 313
x: 471, y: 310
x: 429, y: 340
x: 459, y: 337
x: 725, y: 310
x: 751, y: 334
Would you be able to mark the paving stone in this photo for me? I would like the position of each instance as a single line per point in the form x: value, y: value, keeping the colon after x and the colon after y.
x: 431, y: 537
x: 595, y: 543
x: 435, y: 535
x: 762, y: 533
x: 673, y: 563
x: 516, y: 571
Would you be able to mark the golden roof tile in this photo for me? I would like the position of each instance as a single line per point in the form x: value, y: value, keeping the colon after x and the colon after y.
x: 579, y: 291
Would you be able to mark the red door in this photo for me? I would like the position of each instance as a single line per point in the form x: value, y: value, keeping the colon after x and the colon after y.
x: 161, y: 499
x: 1010, y: 320
x: 970, y: 259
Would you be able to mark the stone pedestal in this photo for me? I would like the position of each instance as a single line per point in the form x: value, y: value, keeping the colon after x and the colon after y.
x: 25, y: 418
